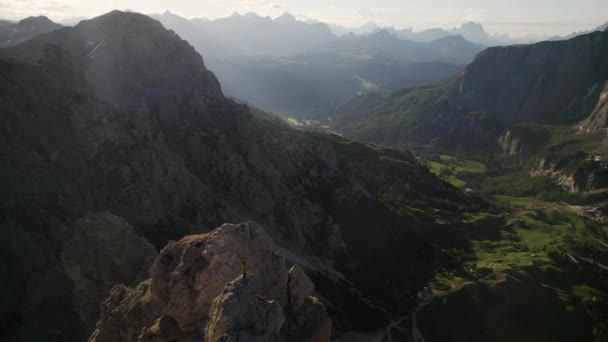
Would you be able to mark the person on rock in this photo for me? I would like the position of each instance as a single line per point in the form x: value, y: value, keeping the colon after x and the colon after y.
x: 244, y: 268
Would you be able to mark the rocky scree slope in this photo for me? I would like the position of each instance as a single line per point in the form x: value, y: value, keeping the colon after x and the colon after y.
x: 197, y: 293
x: 119, y: 115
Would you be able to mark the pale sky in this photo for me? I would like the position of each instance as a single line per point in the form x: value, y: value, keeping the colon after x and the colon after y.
x: 516, y: 17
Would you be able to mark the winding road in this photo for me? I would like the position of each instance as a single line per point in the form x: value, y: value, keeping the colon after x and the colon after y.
x: 416, y: 334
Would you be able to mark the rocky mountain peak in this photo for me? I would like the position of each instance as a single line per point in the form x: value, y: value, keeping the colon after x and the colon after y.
x: 197, y: 290
x: 12, y: 34
x: 472, y: 27
x: 120, y: 50
x: 286, y: 18
x: 40, y: 20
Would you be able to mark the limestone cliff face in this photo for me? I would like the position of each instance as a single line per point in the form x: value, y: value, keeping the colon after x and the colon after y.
x: 599, y: 118
x: 544, y: 82
x: 523, y: 139
x: 197, y: 292
x: 589, y: 176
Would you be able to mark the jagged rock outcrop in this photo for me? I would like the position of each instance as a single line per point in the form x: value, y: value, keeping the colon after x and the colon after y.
x: 187, y: 296
x: 13, y: 34
x: 239, y: 314
x: 307, y: 319
x: 104, y: 252
x: 580, y: 173
x: 125, y: 314
x: 599, y: 118
x: 190, y: 273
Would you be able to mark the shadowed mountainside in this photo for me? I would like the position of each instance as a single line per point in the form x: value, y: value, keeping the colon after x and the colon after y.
x: 118, y: 114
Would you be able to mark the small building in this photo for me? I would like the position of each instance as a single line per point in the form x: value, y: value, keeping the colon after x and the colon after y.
x: 425, y: 295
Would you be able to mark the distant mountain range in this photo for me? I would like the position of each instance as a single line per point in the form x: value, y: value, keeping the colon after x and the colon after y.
x: 602, y: 27
x: 471, y: 31
x: 249, y: 34
x: 302, y: 69
x: 12, y: 34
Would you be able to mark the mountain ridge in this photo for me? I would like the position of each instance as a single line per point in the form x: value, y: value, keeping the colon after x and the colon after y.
x: 12, y: 34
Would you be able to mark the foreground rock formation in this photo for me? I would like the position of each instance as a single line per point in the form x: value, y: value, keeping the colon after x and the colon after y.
x: 197, y: 293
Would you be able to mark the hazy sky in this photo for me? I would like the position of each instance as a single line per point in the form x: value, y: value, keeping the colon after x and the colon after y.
x: 517, y: 17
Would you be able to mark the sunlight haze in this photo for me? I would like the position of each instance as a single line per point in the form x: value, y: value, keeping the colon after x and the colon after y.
x: 542, y: 17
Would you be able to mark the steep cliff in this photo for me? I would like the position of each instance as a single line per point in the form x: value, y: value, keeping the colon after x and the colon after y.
x: 599, y: 117
x: 547, y: 82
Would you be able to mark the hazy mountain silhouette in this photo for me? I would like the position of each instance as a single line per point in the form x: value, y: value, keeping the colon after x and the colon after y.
x: 12, y: 34
x: 288, y: 66
x: 249, y: 34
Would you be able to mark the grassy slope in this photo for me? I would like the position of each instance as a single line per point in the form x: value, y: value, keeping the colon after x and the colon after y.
x: 538, y: 267
x: 521, y: 281
x: 517, y: 278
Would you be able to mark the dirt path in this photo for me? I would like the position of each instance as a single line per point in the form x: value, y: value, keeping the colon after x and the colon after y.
x: 416, y: 334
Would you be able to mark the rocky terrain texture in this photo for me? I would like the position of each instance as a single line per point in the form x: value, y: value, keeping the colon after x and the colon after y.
x: 119, y: 115
x: 12, y: 34
x: 197, y: 293
x: 522, y: 139
x: 599, y: 117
